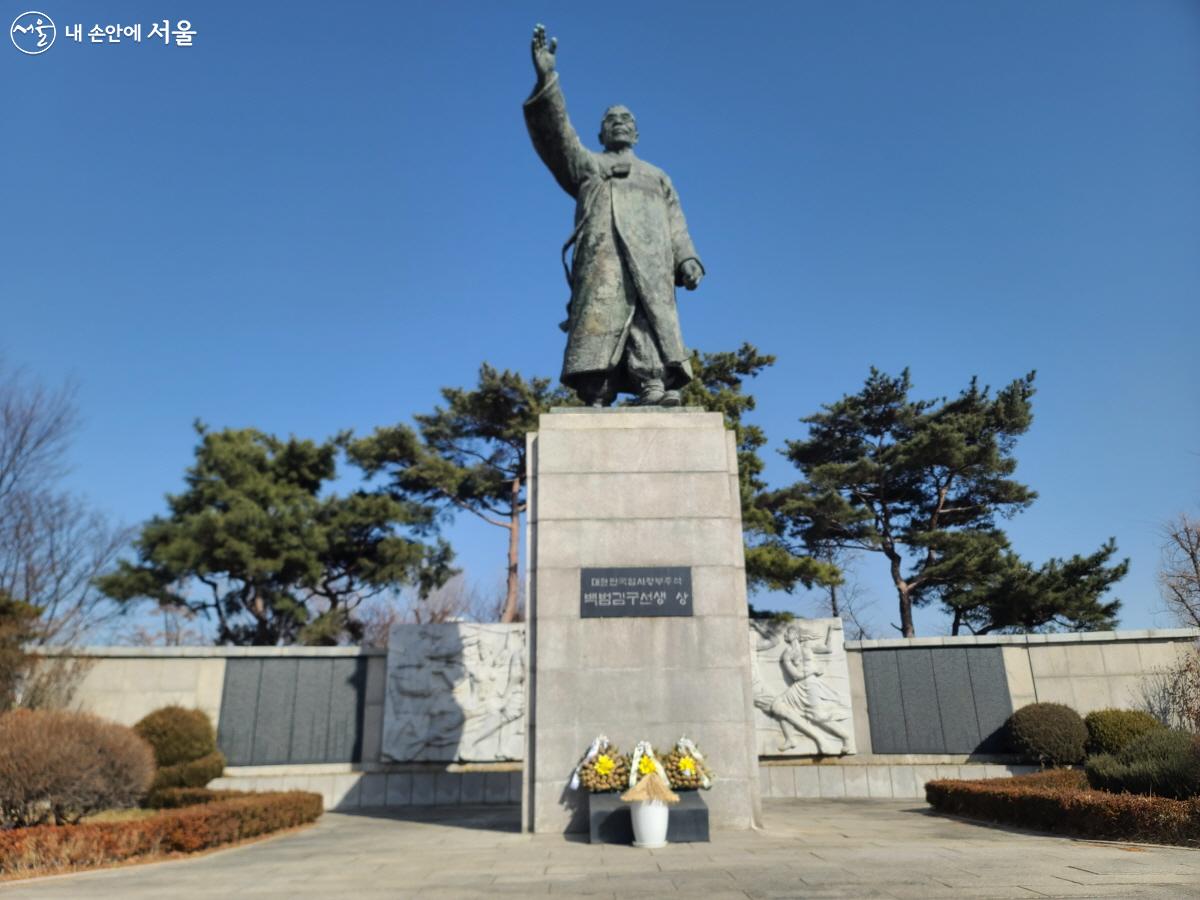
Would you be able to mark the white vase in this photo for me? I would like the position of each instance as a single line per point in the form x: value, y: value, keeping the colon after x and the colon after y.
x: 649, y: 824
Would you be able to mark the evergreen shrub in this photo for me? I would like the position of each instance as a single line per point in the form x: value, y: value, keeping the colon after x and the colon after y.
x: 176, y: 798
x: 177, y: 735
x: 194, y: 774
x: 1048, y: 733
x: 1109, y: 730
x: 1161, y: 762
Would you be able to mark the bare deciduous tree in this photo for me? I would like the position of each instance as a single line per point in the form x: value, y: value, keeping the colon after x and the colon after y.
x: 845, y: 598
x: 851, y: 601
x: 458, y: 600
x: 51, y: 548
x: 51, y: 544
x: 178, y: 629
x: 1172, y: 694
x: 1179, y: 574
x: 35, y: 424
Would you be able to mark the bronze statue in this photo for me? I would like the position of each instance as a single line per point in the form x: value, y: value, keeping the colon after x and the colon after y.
x: 631, y: 250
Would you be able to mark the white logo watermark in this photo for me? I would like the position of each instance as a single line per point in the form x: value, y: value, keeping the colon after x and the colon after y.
x: 33, y: 32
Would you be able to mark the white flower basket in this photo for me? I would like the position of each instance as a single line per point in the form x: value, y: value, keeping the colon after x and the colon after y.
x: 649, y: 824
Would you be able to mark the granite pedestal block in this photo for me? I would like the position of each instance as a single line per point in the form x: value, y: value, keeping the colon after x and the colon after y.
x: 626, y: 488
x: 610, y: 823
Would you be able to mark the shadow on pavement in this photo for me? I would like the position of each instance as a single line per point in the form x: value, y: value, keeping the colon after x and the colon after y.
x: 1027, y: 832
x: 493, y: 817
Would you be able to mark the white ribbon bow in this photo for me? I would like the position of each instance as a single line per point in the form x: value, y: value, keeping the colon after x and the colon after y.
x: 593, y: 751
x: 688, y: 748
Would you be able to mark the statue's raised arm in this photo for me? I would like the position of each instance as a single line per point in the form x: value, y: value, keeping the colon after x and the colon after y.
x: 554, y: 137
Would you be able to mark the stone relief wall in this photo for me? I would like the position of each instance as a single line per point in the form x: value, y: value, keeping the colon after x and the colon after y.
x: 801, y: 686
x: 455, y: 693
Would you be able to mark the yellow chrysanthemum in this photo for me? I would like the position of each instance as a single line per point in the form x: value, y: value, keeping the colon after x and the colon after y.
x: 645, y: 765
x: 687, y: 765
x: 604, y: 764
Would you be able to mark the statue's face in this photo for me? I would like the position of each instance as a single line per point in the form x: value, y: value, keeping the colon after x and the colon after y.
x: 618, y: 128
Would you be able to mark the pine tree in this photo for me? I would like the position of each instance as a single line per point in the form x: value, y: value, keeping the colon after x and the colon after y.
x: 719, y: 386
x: 923, y: 483
x: 468, y: 455
x: 255, y: 541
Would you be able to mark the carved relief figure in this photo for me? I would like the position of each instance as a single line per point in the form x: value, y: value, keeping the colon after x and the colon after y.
x: 810, y: 706
x: 493, y: 698
x: 455, y: 692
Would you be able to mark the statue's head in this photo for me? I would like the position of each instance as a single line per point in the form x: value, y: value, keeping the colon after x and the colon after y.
x: 618, y: 128
x: 794, y: 634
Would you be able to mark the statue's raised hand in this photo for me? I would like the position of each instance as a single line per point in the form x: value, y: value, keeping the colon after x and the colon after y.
x: 543, y: 53
x: 690, y: 274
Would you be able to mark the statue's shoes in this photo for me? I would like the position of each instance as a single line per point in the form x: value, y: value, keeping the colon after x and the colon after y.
x: 671, y: 398
x: 654, y: 397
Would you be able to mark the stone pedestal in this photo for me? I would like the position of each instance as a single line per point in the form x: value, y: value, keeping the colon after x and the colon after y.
x: 627, y: 488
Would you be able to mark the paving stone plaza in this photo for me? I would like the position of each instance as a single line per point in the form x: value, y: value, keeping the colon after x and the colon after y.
x: 809, y: 848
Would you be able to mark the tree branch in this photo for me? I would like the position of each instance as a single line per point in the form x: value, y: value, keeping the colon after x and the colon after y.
x: 461, y: 505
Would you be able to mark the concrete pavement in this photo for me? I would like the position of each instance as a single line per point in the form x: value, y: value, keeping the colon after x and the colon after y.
x: 810, y: 849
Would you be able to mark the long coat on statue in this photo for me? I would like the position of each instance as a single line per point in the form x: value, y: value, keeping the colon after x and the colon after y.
x: 630, y: 238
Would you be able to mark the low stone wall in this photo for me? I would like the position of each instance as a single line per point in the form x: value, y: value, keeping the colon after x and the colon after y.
x: 346, y: 789
x: 125, y: 683
x: 255, y: 696
x: 952, y: 694
x: 274, y: 716
x: 873, y: 777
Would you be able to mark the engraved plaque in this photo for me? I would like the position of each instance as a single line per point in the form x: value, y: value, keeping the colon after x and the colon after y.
x: 640, y: 591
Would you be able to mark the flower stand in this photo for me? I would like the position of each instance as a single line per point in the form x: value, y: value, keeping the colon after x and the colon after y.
x: 610, y: 822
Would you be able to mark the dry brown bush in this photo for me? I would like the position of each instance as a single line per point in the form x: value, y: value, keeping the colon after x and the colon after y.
x: 60, y: 766
x: 1172, y: 694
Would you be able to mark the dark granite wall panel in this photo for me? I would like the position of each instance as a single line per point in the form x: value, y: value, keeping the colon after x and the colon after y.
x: 884, y: 704
x: 347, y: 703
x: 239, y: 709
x: 993, y: 704
x: 936, y: 699
x: 921, y: 719
x: 276, y: 706
x: 956, y: 705
x: 310, y: 722
x: 277, y: 710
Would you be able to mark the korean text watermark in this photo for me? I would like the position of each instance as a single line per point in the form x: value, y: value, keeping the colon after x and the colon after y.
x: 34, y: 32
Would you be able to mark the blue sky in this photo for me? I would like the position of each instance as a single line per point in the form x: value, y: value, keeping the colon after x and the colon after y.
x: 319, y: 214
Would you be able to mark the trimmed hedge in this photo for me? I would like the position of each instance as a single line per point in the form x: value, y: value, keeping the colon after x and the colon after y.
x: 177, y: 735
x: 1109, y: 730
x: 1160, y: 762
x: 1048, y: 733
x: 1061, y: 801
x: 194, y: 774
x: 177, y: 798
x: 49, y: 848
